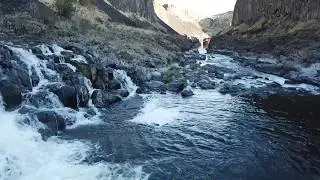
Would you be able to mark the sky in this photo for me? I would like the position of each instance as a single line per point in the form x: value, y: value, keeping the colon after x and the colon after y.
x: 205, y: 7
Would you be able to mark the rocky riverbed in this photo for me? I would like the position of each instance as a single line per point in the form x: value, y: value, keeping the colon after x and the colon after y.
x: 106, y: 119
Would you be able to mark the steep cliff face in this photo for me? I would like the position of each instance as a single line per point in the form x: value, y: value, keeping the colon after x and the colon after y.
x: 216, y: 23
x: 142, y: 8
x: 282, y: 28
x: 250, y: 11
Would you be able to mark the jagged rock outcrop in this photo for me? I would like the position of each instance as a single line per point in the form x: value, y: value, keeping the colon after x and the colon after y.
x: 286, y: 29
x: 216, y: 23
x: 250, y: 11
x: 141, y: 8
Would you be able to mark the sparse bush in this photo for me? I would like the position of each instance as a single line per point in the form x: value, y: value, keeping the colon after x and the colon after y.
x: 65, y: 7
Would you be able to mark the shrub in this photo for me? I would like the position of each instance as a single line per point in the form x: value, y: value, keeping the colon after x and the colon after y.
x: 65, y: 7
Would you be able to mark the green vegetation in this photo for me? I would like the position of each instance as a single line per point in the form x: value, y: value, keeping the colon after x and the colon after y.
x: 171, y: 74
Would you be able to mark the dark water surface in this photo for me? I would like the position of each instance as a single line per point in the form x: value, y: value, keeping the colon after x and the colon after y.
x: 159, y: 137
x: 208, y: 136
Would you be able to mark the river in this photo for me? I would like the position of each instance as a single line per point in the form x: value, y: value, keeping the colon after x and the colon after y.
x: 154, y: 136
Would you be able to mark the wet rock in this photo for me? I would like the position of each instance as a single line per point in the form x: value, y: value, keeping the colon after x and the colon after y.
x: 123, y: 92
x: 36, y: 50
x: 177, y: 85
x: 156, y: 86
x: 156, y: 76
x: 11, y: 95
x: 103, y: 99
x: 100, y: 76
x: 232, y: 89
x: 42, y: 99
x: 139, y: 75
x: 63, y: 69
x: 82, y: 95
x: 114, y: 84
x: 142, y: 90
x: 34, y: 78
x: 217, y: 69
x: 187, y: 93
x: 206, y: 84
x: 52, y: 120
x: 68, y: 96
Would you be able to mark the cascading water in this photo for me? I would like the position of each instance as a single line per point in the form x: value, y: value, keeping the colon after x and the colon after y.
x: 25, y: 155
x: 207, y: 136
x: 126, y: 82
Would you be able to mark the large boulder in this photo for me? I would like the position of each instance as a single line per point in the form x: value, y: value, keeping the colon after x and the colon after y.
x: 100, y: 76
x: 41, y: 99
x: 13, y: 69
x: 11, y: 94
x: 53, y: 121
x: 114, y: 84
x: 177, y: 85
x: 206, y: 84
x: 156, y: 76
x: 68, y: 96
x: 156, y: 86
x: 103, y: 99
x: 232, y: 89
x: 187, y: 93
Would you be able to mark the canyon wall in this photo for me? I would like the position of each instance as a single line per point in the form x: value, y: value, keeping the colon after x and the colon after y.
x: 142, y: 8
x: 287, y: 29
x: 250, y: 11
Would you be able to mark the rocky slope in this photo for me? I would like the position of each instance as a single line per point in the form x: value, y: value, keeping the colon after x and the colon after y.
x: 278, y: 37
x: 288, y: 28
x: 250, y: 11
x: 216, y: 23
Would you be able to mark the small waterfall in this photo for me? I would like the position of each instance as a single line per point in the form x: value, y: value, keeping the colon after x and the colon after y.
x: 25, y: 155
x: 202, y: 51
x: 88, y: 84
x: 126, y: 81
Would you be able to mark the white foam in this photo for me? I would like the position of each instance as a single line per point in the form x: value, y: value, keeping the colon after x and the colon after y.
x: 80, y: 58
x: 73, y: 68
x: 126, y: 81
x: 57, y: 49
x: 155, y: 114
x: 45, y: 50
x: 25, y: 156
x: 202, y: 51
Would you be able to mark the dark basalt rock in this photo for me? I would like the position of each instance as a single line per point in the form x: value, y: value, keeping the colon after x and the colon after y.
x: 122, y: 92
x: 54, y: 121
x: 187, y: 93
x: 100, y: 76
x: 34, y: 78
x: 206, y: 84
x: 232, y: 89
x: 156, y: 86
x: 114, y: 84
x: 156, y: 76
x: 11, y: 95
x: 103, y: 99
x: 177, y: 85
x: 68, y: 96
x: 41, y: 99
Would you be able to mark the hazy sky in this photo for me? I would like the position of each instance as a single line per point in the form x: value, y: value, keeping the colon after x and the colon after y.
x: 205, y: 7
